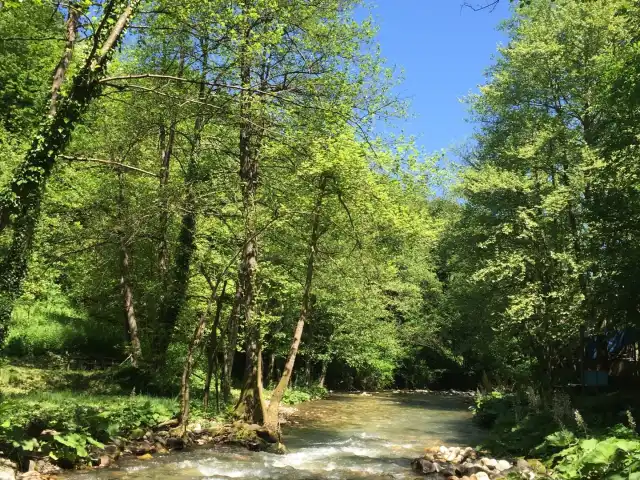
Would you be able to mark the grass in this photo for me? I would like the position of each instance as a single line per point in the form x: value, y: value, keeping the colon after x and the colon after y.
x: 56, y: 327
x: 20, y: 380
x: 91, y: 400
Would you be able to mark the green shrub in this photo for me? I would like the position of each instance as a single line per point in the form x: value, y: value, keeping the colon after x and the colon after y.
x: 293, y: 396
x: 492, y: 406
x: 517, y: 426
x: 609, y: 457
x: 66, y: 426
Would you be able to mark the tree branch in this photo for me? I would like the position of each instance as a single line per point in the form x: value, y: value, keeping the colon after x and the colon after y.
x: 107, y: 162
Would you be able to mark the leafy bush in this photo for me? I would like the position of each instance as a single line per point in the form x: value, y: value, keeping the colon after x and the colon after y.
x: 491, y: 406
x: 298, y: 395
x: 611, y: 458
x: 66, y: 426
x: 518, y: 424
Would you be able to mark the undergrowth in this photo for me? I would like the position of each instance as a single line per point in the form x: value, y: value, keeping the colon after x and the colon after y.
x: 66, y: 425
x: 586, y: 437
x: 68, y: 415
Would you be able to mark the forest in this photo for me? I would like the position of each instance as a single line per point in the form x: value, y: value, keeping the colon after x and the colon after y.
x: 199, y: 201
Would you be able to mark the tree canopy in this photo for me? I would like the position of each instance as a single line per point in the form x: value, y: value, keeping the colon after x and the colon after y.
x: 198, y: 188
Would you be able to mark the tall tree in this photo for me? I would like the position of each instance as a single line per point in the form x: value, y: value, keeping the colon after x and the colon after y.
x: 20, y: 203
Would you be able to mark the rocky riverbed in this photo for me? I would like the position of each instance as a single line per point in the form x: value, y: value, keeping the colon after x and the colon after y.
x: 459, y: 463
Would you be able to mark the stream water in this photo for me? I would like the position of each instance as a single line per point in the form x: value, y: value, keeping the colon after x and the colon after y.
x: 342, y: 437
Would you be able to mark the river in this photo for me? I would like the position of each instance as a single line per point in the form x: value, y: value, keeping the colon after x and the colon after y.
x: 342, y: 437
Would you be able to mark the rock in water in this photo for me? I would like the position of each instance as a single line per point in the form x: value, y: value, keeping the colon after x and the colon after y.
x: 175, y: 443
x: 143, y: 447
x: 469, y: 468
x: 491, y: 463
x: 503, y: 465
x: 277, y: 448
x: 267, y: 435
x: 422, y: 465
x: 7, y: 473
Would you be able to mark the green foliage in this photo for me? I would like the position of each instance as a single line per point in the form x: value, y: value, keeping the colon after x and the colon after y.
x: 65, y: 426
x: 611, y: 458
x: 534, y: 251
x: 491, y: 406
x: 50, y: 327
x: 303, y: 394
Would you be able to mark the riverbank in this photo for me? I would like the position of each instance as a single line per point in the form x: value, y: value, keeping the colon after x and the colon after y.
x: 54, y: 420
x: 574, y: 435
x: 343, y: 436
x: 456, y: 463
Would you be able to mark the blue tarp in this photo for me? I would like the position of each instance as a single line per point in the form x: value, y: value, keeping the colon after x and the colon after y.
x: 616, y: 341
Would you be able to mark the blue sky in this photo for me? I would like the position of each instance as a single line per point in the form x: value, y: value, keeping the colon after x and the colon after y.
x: 444, y: 50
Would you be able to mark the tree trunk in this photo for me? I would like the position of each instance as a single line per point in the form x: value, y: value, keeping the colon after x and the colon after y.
x: 188, y: 366
x: 166, y: 149
x: 20, y: 204
x: 175, y: 298
x: 231, y: 344
x: 131, y: 324
x: 272, y: 368
x: 60, y: 73
x: 251, y: 405
x: 323, y: 374
x: 307, y: 372
x: 127, y: 296
x: 271, y: 420
x: 213, y: 349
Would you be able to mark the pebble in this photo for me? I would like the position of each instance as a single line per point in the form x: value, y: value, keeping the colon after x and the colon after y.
x: 489, y: 462
x: 450, y: 462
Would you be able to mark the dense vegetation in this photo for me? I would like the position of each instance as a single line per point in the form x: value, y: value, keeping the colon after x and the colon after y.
x: 198, y: 180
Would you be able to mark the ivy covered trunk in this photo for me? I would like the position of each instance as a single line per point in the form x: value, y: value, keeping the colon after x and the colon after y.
x: 175, y: 296
x: 20, y: 203
x: 251, y: 405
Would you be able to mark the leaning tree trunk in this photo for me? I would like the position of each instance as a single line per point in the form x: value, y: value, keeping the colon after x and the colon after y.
x: 131, y: 324
x: 271, y: 420
x: 212, y: 363
x: 71, y: 31
x: 20, y: 204
x: 188, y: 366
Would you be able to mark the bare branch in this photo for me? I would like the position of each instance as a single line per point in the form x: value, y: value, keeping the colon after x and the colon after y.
x: 107, y: 162
x: 491, y: 6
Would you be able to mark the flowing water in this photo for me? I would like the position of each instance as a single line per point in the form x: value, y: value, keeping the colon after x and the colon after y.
x: 342, y: 437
